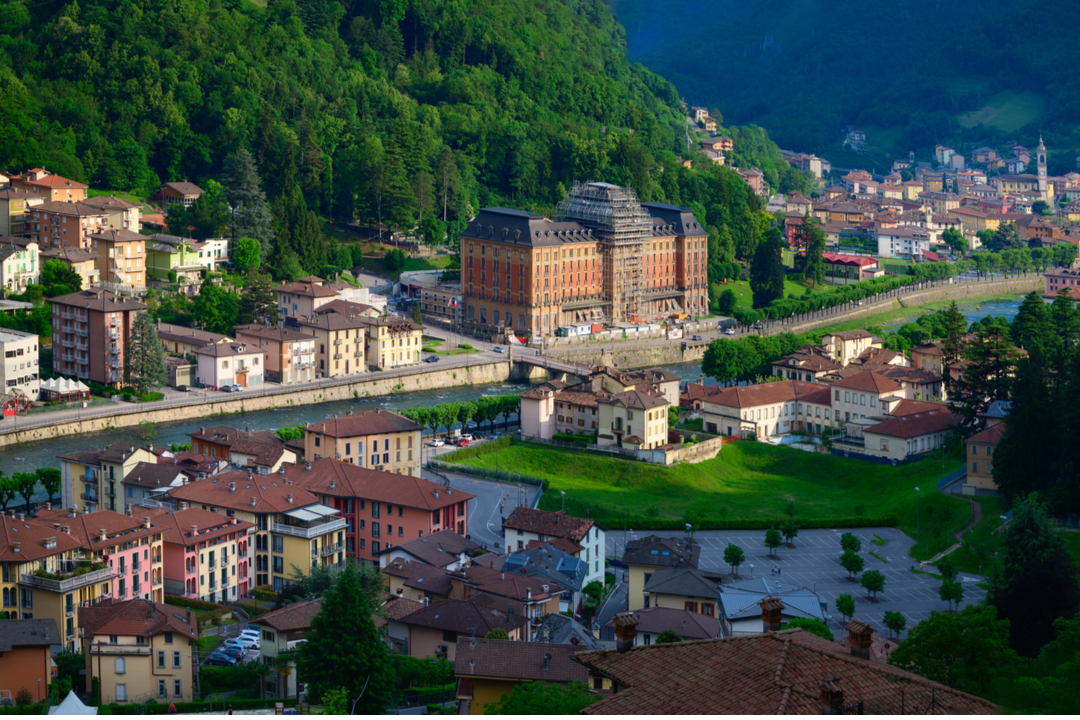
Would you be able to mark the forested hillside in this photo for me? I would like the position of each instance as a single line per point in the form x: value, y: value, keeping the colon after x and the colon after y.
x: 912, y: 69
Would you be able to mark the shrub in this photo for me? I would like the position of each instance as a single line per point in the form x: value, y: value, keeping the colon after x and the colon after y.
x: 194, y: 707
x: 465, y: 346
x: 152, y: 397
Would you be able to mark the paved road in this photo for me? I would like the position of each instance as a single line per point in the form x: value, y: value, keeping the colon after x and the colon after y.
x: 485, y: 518
x: 814, y: 563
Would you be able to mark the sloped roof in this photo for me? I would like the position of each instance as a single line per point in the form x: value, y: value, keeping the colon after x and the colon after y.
x: 152, y: 475
x: 462, y: 616
x: 330, y: 476
x: 28, y: 633
x: 989, y: 436
x: 688, y: 625
x: 176, y: 526
x: 269, y: 493
x: 657, y: 551
x: 687, y: 581
x: 184, y: 188
x: 86, y: 528
x: 420, y: 576
x: 292, y: 617
x: 98, y: 299
x: 31, y: 537
x: 868, y: 381
x: 551, y: 524
x: 513, y: 660
x: 915, y: 425
x: 138, y: 617
x: 440, y: 548
x: 369, y: 422
x: 767, y: 674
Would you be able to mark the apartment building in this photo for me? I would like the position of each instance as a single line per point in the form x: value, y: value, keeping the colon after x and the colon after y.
x: 90, y: 334
x: 130, y: 546
x: 207, y: 555
x: 65, y: 224
x: 20, y: 263
x: 20, y: 369
x: 83, y: 262
x: 375, y: 439
x: 45, y: 575
x: 391, y: 342
x: 121, y: 257
x: 526, y: 525
x: 92, y: 479
x: 380, y: 509
x: 230, y: 363
x: 173, y: 263
x: 53, y: 187
x: 339, y: 330
x: 122, y: 214
x: 147, y: 481
x: 184, y: 193
x: 140, y: 650
x: 290, y: 354
x: 292, y: 526
x: 15, y: 203
x: 303, y: 297
x: 261, y: 450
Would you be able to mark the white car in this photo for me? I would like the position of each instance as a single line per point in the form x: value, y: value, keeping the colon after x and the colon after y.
x: 467, y: 436
x: 437, y: 442
x: 729, y: 331
x: 499, y: 349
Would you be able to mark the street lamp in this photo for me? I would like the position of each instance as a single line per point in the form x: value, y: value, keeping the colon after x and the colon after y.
x: 916, y: 516
x: 563, y: 493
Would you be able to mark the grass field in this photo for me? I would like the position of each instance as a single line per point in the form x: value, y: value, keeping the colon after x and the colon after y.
x: 1007, y: 111
x: 746, y: 298
x: 91, y: 193
x: 746, y: 481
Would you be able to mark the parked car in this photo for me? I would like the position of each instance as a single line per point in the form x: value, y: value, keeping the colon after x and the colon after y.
x: 237, y: 642
x: 233, y: 651
x: 216, y: 658
x: 231, y: 388
x: 499, y: 349
x: 467, y: 436
x: 462, y: 443
x: 250, y: 641
x: 696, y: 337
x: 437, y: 442
x: 729, y: 331
x: 431, y: 358
x: 496, y: 436
x: 182, y: 388
x: 758, y: 325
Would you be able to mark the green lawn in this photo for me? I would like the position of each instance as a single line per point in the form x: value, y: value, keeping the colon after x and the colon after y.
x: 377, y: 265
x: 746, y: 298
x: 92, y: 193
x: 1008, y: 111
x: 977, y: 552
x: 747, y: 480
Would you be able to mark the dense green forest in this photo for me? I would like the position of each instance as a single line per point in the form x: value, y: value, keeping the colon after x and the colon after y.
x: 377, y: 110
x: 918, y: 72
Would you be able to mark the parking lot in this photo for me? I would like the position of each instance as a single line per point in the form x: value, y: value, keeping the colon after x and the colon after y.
x: 814, y: 563
x: 249, y: 655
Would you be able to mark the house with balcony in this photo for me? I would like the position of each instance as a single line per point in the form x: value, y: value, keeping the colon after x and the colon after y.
x: 283, y: 630
x: 54, y: 187
x: 121, y: 257
x: 380, y: 509
x: 635, y: 419
x: 92, y: 479
x: 19, y: 368
x: 207, y: 555
x: 526, y: 526
x: 175, y: 263
x: 140, y: 651
x: 180, y: 340
x: 90, y: 331
x: 129, y: 546
x: 45, y: 574
x: 145, y: 483
x: 184, y: 193
x: 230, y: 363
x: 292, y: 526
x: 64, y: 224
x: 82, y: 262
x: 376, y: 439
x: 20, y: 263
x: 290, y: 353
x: 340, y: 329
x: 391, y: 341
x: 14, y: 205
x: 122, y: 214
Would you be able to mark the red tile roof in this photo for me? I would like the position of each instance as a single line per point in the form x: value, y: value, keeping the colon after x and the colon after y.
x: 176, y: 526
x: 989, y: 436
x: 292, y: 617
x: 687, y: 625
x: 915, y: 425
x: 745, y: 396
x: 141, y: 618
x: 775, y: 673
x: 370, y: 422
x: 513, y: 660
x: 329, y: 476
x: 31, y: 537
x: 86, y: 528
x: 867, y: 381
x: 250, y: 493
x: 551, y: 524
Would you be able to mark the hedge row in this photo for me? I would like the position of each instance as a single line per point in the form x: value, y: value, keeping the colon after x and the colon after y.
x: 162, y: 708
x: 215, y: 610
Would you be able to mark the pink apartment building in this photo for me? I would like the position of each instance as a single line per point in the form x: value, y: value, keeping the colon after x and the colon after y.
x: 1061, y: 278
x: 206, y: 554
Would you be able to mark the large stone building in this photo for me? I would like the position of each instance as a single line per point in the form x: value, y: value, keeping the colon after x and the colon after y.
x: 608, y: 258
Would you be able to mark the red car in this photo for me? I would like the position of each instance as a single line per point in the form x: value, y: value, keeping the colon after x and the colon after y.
x: 462, y: 443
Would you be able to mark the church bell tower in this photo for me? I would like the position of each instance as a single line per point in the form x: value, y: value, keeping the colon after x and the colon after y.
x: 1040, y: 153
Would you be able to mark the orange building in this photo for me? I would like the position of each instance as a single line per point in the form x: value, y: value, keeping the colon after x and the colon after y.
x: 52, y: 187
x: 65, y: 224
x: 25, y: 660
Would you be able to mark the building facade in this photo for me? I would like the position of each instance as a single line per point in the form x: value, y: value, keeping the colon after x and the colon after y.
x: 65, y: 224
x: 290, y: 354
x: 90, y: 330
x: 20, y: 368
x: 207, y: 555
x: 376, y: 439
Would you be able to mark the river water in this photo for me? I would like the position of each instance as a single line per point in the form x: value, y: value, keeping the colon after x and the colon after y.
x: 28, y: 457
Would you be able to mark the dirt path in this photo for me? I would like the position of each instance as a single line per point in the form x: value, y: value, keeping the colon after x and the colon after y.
x: 976, y: 516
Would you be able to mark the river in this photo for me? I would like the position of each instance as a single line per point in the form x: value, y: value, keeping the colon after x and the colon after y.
x: 28, y: 457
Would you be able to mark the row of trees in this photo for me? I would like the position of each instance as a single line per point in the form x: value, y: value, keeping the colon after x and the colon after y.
x: 479, y: 411
x: 25, y: 485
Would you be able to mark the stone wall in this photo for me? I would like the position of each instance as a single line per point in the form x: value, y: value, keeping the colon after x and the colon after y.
x: 699, y: 452
x: 129, y: 416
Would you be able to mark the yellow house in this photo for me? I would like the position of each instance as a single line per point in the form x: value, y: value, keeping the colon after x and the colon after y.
x: 683, y: 588
x: 292, y: 526
x: 83, y: 262
x: 634, y: 419
x: 391, y: 342
x: 92, y: 479
x: 375, y: 439
x: 488, y: 669
x: 140, y: 650
x: 974, y: 220
x: 644, y: 556
x: 46, y: 576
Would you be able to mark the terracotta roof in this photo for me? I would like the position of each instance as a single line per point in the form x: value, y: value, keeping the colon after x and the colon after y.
x: 636, y: 399
x: 418, y: 575
x: 867, y: 381
x: 849, y: 335
x: 76, y: 209
x: 439, y: 548
x: 176, y: 526
x: 567, y: 546
x: 313, y: 287
x: 192, y: 336
x: 518, y: 587
x: 989, y: 436
x: 657, y: 551
x: 272, y: 332
x: 688, y: 625
x: 55, y: 181
x: 915, y: 375
x: 545, y: 662
x: 551, y: 524
x: 768, y: 674
x: 108, y: 201
x: 98, y: 299
x: 152, y: 475
x: 462, y: 616
x: 370, y: 422
x: 292, y: 617
x: 744, y: 396
x: 10, y: 193
x: 934, y: 347
x: 138, y: 617
x: 184, y: 188
x: 916, y: 425
x: 329, y: 476
x: 31, y: 537
x: 229, y: 349
x: 252, y: 493
x: 118, y: 235
x: 86, y: 528
x: 29, y: 633
x: 398, y: 607
x: 910, y: 407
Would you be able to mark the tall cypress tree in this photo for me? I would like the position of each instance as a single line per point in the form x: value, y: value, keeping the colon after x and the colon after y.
x: 767, y: 270
x: 251, y: 213
x: 815, y: 250
x: 1031, y: 328
x: 988, y: 374
x: 144, y: 360
x: 952, y: 345
x: 344, y: 649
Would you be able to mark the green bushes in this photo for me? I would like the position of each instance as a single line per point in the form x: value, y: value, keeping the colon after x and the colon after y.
x: 477, y: 450
x: 265, y: 593
x: 202, y: 706
x: 581, y: 441
x: 612, y: 519
x: 152, y: 397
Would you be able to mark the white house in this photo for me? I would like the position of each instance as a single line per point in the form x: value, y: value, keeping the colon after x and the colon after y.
x: 586, y: 539
x: 902, y: 241
x: 230, y: 363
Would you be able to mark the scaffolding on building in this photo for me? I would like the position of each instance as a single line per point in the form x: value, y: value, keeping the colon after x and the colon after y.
x: 623, y: 226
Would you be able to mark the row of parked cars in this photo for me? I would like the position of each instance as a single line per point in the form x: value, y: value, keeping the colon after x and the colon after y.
x: 233, y: 650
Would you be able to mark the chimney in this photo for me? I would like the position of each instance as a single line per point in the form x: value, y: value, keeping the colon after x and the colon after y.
x: 547, y: 660
x: 859, y: 638
x: 282, y: 470
x: 16, y: 546
x: 771, y: 609
x: 102, y: 536
x: 232, y: 485
x: 22, y: 516
x: 183, y: 505
x: 66, y: 529
x: 85, y: 509
x: 333, y: 483
x: 253, y: 502
x: 436, y: 493
x: 528, y: 594
x: 129, y: 509
x: 146, y: 522
x: 427, y: 600
x: 502, y: 576
x: 48, y: 506
x: 74, y: 509
x: 289, y: 498
x: 50, y: 543
x: 194, y: 530
x: 625, y: 631
x: 306, y: 467
x: 832, y: 697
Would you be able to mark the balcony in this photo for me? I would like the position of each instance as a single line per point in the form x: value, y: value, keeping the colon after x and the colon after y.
x: 309, y: 532
x: 81, y: 330
x: 67, y: 314
x: 337, y: 356
x: 332, y: 549
x: 82, y: 345
x: 90, y: 495
x: 68, y: 357
x: 68, y: 343
x: 338, y: 341
x: 63, y: 582
x: 68, y: 328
